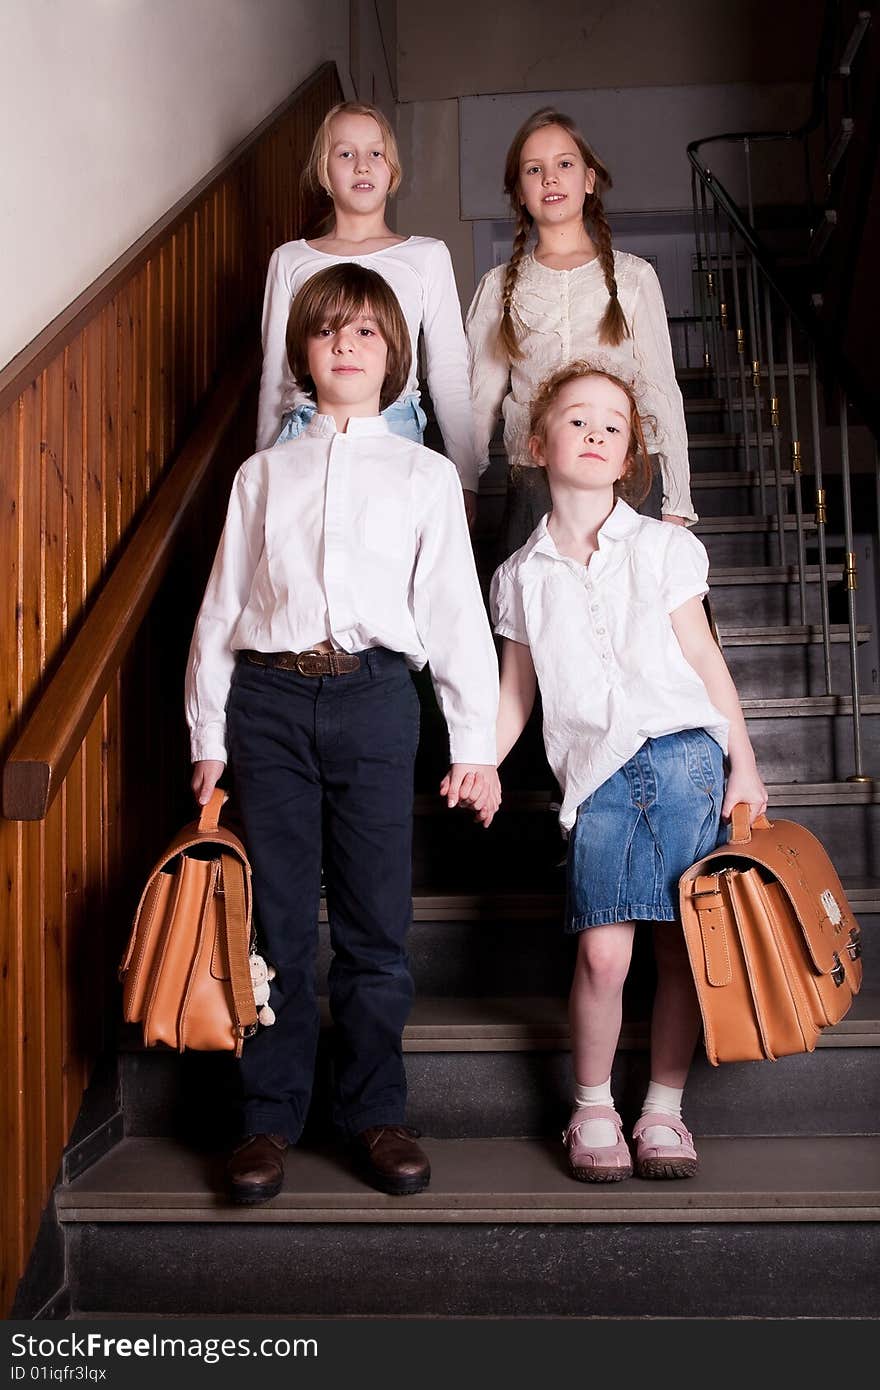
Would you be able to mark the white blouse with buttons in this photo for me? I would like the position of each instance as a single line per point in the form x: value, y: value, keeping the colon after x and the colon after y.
x: 557, y: 314
x: 610, y: 669
x: 360, y: 538
x: 419, y: 271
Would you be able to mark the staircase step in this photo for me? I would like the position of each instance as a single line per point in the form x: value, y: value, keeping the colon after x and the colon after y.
x: 772, y: 574
x: 502, y: 1231
x: 523, y: 1023
x: 523, y: 848
x: 831, y: 1178
x: 740, y: 478
x: 790, y: 635
x: 711, y: 525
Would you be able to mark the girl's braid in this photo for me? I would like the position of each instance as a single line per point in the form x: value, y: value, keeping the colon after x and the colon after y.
x: 613, y: 327
x: 507, y: 332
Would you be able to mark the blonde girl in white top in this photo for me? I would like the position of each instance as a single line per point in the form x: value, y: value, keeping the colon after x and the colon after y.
x: 569, y: 295
x: 354, y: 166
x: 602, y: 608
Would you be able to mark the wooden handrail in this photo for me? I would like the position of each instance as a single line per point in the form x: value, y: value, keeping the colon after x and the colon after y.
x: 48, y: 744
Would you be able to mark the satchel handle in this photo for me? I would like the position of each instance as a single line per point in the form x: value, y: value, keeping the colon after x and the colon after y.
x: 210, y: 817
x: 740, y: 829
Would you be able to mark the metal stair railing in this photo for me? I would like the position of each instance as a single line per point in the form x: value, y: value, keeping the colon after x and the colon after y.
x: 734, y: 267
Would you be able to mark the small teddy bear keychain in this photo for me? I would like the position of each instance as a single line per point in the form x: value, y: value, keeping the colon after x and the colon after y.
x: 261, y: 974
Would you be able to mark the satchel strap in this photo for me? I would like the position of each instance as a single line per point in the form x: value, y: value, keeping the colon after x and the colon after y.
x: 740, y: 828
x: 237, y: 943
x: 210, y: 816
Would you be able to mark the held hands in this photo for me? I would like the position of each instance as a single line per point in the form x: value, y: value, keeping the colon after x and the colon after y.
x: 475, y: 785
x: 206, y: 775
x: 745, y: 786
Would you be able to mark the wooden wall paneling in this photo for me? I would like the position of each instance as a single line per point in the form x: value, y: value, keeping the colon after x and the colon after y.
x: 53, y: 448
x: 31, y: 601
x: 12, y: 1240
x: 99, y: 406
x: 115, y: 384
x: 166, y: 300
x: 73, y: 792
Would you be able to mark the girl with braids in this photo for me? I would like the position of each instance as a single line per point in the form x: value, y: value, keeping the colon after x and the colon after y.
x: 353, y: 170
x: 569, y: 295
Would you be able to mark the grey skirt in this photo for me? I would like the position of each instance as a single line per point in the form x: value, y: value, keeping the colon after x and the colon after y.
x: 528, y: 499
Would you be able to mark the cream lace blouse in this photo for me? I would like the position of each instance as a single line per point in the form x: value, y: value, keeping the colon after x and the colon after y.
x: 557, y: 314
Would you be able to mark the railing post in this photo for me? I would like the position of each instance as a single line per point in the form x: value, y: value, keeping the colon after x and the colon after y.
x: 851, y: 580
x: 796, y: 468
x: 774, y: 418
x: 711, y: 297
x: 821, y: 517
x: 701, y: 289
x: 740, y: 351
x: 724, y: 364
x: 756, y: 385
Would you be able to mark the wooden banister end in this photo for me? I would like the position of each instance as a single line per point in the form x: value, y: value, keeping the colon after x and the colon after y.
x: 26, y: 790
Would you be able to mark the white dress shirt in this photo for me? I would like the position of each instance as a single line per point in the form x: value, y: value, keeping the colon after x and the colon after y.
x: 610, y: 668
x: 419, y: 271
x: 557, y: 314
x: 359, y: 538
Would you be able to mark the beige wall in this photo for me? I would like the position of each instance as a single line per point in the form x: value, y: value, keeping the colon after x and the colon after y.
x: 463, y: 47
x: 427, y: 204
x: 110, y: 110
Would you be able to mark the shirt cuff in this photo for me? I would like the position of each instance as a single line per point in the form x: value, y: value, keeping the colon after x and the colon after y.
x: 474, y: 745
x: 208, y: 743
x: 469, y: 474
x: 679, y: 505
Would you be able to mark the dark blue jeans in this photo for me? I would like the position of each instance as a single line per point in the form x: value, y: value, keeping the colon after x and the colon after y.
x: 323, y: 770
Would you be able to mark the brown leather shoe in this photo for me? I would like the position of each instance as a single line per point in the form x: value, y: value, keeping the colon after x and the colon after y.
x: 388, y: 1157
x: 256, y: 1168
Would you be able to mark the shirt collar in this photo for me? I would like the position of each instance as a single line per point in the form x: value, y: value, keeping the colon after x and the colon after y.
x: 324, y: 426
x: 621, y: 522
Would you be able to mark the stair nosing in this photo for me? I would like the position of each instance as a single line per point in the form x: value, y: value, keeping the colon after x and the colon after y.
x: 535, y: 1186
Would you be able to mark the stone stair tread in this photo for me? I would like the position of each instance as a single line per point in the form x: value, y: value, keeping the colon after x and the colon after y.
x: 788, y: 634
x: 807, y: 706
x: 534, y: 1019
x: 771, y: 574
x: 739, y: 478
x: 828, y: 1178
x: 714, y: 524
x: 443, y: 906
x: 780, y: 794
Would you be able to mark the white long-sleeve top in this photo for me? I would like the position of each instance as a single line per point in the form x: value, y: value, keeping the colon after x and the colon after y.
x: 419, y: 271
x: 360, y: 538
x: 557, y: 314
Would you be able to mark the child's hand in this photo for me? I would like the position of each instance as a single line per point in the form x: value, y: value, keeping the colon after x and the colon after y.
x: 206, y: 775
x: 475, y: 785
x: 745, y: 786
x: 673, y: 519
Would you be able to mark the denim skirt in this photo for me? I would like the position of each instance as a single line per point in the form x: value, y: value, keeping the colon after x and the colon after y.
x: 404, y: 417
x: 637, y: 833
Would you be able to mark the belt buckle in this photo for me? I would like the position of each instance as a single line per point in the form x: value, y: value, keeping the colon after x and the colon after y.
x: 302, y: 661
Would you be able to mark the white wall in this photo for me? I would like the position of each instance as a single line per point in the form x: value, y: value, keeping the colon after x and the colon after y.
x: 110, y: 110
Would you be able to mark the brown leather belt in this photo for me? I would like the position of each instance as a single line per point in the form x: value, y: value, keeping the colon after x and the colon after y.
x: 309, y: 663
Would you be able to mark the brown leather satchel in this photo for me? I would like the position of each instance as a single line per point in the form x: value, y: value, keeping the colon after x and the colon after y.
x: 773, y: 944
x: 185, y: 973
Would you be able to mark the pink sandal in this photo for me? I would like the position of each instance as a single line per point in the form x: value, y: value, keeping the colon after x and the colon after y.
x: 665, y: 1160
x: 611, y: 1162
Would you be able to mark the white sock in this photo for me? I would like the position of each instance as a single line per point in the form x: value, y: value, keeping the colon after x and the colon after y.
x: 663, y: 1100
x: 596, y: 1134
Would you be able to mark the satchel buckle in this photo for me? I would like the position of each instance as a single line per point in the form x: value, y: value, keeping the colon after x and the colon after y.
x: 853, y: 947
x: 838, y: 972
